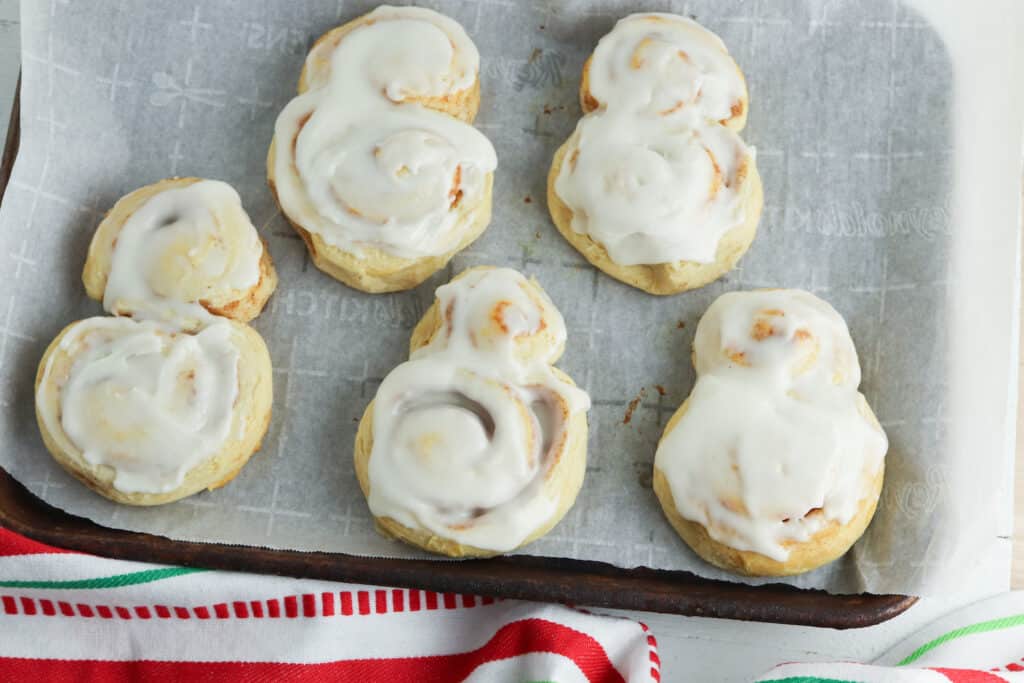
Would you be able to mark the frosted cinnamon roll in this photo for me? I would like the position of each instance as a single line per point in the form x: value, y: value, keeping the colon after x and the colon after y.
x: 774, y: 463
x: 476, y: 445
x: 181, y: 250
x: 655, y: 187
x: 375, y: 163
x: 145, y: 413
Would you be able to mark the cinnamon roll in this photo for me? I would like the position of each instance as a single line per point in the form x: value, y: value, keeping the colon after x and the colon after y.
x: 145, y: 412
x: 655, y: 186
x: 173, y: 394
x: 774, y: 463
x: 182, y: 250
x: 374, y: 163
x: 476, y: 445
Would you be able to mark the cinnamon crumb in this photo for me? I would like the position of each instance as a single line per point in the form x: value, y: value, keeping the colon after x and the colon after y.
x: 631, y: 408
x: 716, y: 181
x: 671, y: 110
x: 548, y: 109
x: 644, y: 474
x: 498, y: 315
x: 737, y: 357
x: 456, y: 192
x: 527, y: 199
x: 762, y: 330
x: 537, y: 234
x: 681, y: 325
x: 661, y: 390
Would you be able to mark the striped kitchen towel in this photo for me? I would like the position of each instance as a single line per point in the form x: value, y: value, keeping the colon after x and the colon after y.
x: 981, y: 643
x: 72, y: 617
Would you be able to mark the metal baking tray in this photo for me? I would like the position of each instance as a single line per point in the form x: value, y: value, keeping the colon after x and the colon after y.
x: 518, y: 577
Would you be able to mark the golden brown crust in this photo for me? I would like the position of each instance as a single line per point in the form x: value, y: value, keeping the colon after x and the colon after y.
x: 830, y: 543
x: 661, y: 278
x: 251, y: 304
x: 250, y: 419
x: 376, y: 271
x: 239, y: 305
x: 563, y: 482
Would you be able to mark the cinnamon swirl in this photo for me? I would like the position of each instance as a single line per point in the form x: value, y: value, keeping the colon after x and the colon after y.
x: 655, y: 187
x: 477, y: 444
x: 374, y: 163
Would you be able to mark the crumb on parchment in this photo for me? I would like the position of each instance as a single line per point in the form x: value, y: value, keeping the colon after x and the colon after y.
x: 628, y: 417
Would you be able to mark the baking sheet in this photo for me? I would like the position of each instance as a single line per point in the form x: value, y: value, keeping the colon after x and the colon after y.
x: 851, y: 115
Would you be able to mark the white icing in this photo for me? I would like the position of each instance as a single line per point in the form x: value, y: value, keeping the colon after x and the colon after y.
x: 144, y: 398
x: 182, y: 246
x: 663, y: 191
x: 465, y: 431
x: 775, y: 427
x: 652, y: 174
x: 362, y: 167
x: 662, y: 64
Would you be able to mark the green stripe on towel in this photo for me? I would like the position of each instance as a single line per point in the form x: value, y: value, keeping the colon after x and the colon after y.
x: 980, y: 627
x: 116, y: 581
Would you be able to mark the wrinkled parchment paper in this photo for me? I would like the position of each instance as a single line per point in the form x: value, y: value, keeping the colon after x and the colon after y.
x: 850, y: 115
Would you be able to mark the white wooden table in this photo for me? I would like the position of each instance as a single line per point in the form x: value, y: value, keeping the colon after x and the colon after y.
x: 689, y: 647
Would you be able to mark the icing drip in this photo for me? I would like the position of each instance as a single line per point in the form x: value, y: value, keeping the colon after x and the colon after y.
x: 359, y: 164
x: 467, y: 430
x: 652, y: 173
x: 180, y: 248
x: 776, y: 441
x: 143, y: 398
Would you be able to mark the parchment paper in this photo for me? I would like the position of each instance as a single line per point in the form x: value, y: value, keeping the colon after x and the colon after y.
x: 850, y: 115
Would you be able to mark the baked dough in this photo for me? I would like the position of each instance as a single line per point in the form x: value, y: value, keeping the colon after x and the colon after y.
x: 478, y: 399
x: 655, y: 186
x: 412, y: 185
x: 827, y: 544
x: 173, y: 394
x: 774, y: 464
x: 106, y: 378
x: 191, y: 247
x: 661, y: 278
